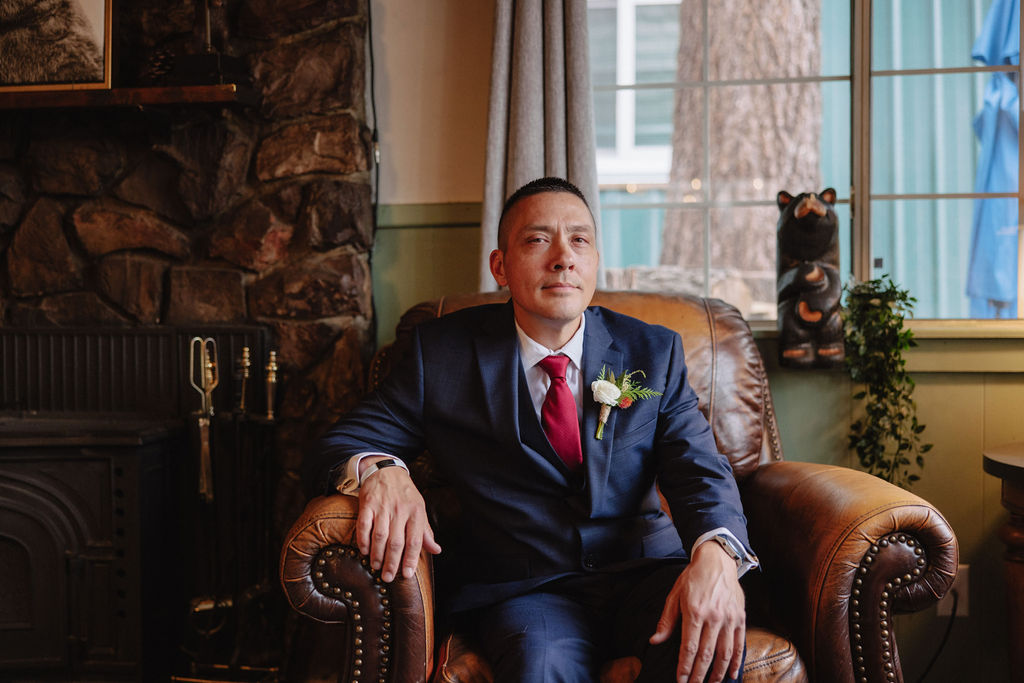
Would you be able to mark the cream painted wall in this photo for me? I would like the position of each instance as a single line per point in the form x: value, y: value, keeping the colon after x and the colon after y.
x: 433, y: 63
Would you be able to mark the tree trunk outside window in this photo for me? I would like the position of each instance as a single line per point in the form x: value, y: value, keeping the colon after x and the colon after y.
x: 762, y: 139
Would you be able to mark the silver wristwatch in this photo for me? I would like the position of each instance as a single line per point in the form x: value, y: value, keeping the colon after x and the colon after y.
x: 379, y: 465
x: 730, y: 547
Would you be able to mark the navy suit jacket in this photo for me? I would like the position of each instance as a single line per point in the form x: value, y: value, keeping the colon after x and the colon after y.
x: 525, y: 519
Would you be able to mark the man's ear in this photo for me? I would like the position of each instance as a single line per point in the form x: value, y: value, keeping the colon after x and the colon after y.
x: 497, y: 262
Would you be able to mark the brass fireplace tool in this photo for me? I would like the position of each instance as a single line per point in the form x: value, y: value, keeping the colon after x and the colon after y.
x: 271, y: 383
x: 204, y: 377
x: 243, y: 375
x: 244, y: 365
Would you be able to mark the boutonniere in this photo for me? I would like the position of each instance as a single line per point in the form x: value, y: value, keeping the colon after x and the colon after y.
x: 617, y: 393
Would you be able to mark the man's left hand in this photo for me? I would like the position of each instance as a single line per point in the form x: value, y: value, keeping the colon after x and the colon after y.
x: 708, y: 605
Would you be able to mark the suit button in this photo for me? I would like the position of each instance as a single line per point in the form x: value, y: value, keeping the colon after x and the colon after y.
x: 589, y: 562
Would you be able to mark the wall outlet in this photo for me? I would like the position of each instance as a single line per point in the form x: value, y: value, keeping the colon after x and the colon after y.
x: 961, y: 584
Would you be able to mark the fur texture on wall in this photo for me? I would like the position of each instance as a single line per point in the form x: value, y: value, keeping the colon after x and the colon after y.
x: 47, y: 41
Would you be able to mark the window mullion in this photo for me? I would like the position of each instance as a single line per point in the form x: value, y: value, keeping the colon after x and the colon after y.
x: 860, y: 193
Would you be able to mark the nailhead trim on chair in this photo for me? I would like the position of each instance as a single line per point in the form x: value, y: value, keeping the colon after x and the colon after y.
x: 884, y: 604
x: 769, y: 416
x: 336, y: 592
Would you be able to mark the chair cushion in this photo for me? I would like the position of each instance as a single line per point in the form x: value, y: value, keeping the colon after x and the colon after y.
x: 458, y: 662
x: 770, y: 657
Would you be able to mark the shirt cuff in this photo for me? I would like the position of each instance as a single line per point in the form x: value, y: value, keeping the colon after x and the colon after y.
x: 348, y: 483
x: 748, y: 561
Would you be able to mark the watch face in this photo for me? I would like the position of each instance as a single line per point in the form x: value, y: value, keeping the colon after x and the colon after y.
x: 379, y: 465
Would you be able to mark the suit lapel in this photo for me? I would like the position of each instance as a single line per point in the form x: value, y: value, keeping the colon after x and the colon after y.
x: 599, y: 351
x: 498, y: 354
x: 501, y: 374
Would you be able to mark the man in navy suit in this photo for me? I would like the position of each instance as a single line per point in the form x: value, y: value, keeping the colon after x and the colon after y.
x: 563, y: 558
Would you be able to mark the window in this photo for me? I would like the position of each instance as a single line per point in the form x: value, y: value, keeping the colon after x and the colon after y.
x: 706, y: 109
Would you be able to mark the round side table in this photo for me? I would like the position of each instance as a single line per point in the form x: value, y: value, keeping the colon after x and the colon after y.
x: 1007, y: 463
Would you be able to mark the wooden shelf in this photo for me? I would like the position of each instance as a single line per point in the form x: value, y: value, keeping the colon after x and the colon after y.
x: 128, y: 97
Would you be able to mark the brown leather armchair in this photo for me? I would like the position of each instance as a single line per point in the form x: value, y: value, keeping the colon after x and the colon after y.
x: 841, y: 551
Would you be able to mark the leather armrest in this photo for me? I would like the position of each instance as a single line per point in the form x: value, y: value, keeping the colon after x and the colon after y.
x: 841, y: 551
x: 326, y: 578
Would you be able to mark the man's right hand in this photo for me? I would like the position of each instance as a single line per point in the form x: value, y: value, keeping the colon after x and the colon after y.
x: 392, y: 526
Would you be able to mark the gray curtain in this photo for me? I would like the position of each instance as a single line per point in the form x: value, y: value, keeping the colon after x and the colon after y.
x: 541, y: 119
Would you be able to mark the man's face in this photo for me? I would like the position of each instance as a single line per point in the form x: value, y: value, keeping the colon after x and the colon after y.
x: 550, y: 261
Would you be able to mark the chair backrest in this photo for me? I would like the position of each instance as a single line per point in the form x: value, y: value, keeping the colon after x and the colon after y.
x: 725, y: 367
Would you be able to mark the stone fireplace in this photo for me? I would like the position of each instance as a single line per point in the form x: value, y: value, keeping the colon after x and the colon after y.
x: 184, y: 216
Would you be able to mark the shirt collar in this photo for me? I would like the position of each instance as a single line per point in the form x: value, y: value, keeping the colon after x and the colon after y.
x: 533, y: 352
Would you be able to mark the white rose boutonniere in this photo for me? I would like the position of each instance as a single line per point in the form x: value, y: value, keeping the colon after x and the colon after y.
x: 620, y: 393
x: 605, y: 392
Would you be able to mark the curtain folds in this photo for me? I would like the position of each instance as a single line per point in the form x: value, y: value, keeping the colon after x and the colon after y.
x: 541, y: 119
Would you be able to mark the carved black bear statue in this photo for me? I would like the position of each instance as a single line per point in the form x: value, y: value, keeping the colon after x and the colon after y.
x: 810, y: 328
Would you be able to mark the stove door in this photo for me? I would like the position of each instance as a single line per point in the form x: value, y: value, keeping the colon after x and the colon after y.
x: 33, y: 587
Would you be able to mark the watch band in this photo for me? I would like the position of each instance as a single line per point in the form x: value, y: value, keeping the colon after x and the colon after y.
x: 730, y: 548
x: 379, y: 465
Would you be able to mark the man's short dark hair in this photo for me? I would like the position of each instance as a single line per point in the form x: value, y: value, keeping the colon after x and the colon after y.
x: 538, y: 186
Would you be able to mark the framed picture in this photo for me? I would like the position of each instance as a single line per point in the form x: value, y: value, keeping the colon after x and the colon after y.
x: 54, y: 44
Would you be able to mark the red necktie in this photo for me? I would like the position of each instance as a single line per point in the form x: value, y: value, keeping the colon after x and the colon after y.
x: 558, y: 414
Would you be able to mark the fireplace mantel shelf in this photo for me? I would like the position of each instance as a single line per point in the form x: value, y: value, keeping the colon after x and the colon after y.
x: 228, y: 93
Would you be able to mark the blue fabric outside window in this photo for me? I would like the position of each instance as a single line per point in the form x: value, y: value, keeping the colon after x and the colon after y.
x: 992, y: 268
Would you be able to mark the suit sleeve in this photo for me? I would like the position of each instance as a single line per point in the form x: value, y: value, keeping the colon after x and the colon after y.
x: 696, y: 480
x: 390, y: 420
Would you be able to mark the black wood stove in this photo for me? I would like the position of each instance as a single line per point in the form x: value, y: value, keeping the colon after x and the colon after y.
x: 134, y: 544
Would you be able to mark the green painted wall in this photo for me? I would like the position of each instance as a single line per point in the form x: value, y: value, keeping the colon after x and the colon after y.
x: 970, y: 392
x: 422, y: 252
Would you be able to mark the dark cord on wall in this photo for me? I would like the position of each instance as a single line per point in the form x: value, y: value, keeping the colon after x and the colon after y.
x: 373, y: 110
x: 375, y: 197
x: 945, y: 637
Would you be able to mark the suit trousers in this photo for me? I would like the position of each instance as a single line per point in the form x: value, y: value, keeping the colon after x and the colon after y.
x: 564, y: 631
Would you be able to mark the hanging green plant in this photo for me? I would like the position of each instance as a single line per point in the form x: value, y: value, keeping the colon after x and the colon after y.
x: 888, y: 438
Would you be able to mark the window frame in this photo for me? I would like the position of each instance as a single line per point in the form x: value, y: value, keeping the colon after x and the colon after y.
x: 860, y: 194
x: 860, y: 201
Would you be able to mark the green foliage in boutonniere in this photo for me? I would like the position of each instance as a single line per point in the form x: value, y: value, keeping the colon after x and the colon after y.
x: 617, y: 393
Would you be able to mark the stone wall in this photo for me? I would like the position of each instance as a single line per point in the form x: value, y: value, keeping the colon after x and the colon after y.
x: 189, y: 214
